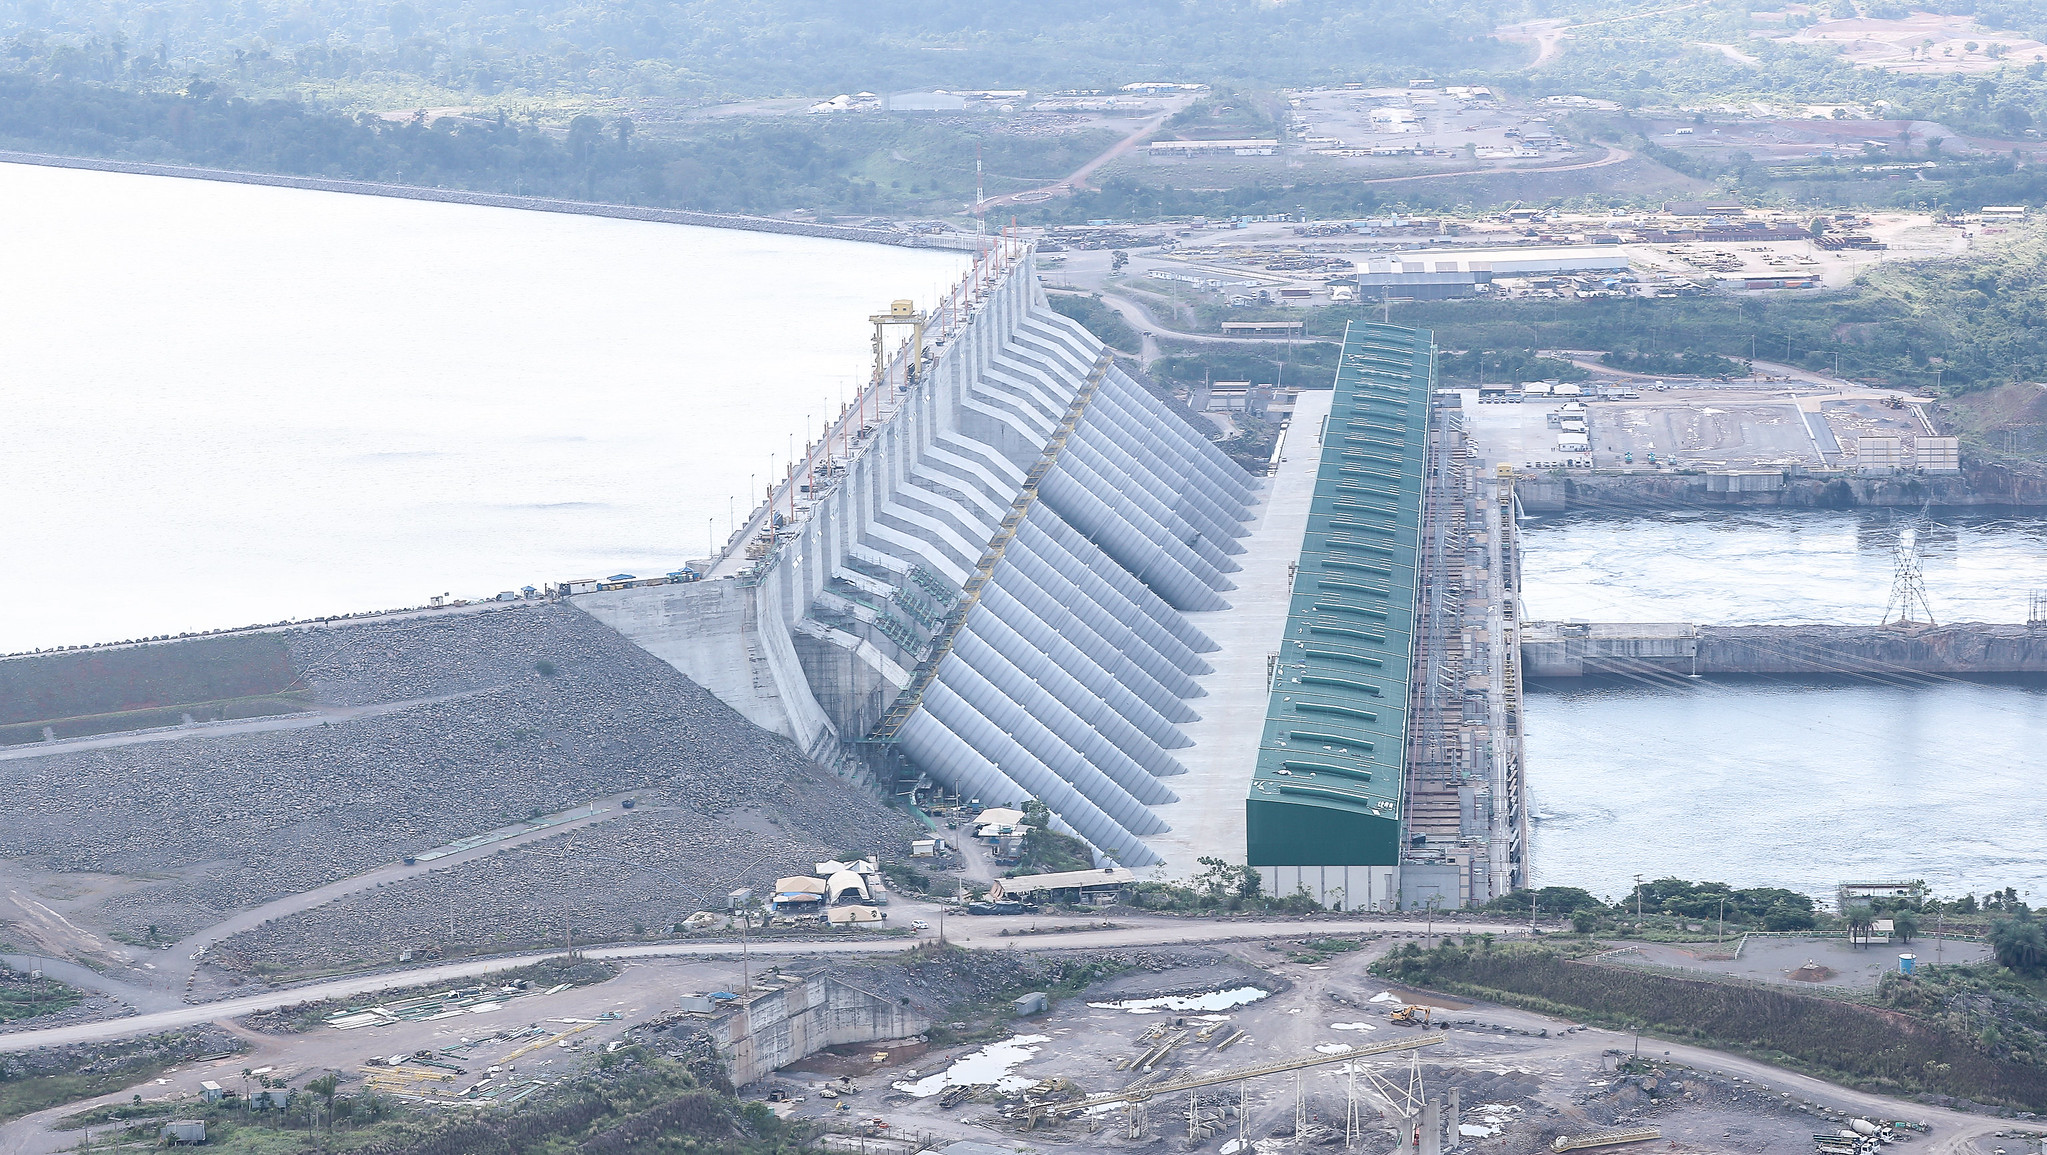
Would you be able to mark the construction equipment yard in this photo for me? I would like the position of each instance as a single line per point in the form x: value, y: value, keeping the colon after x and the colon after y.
x: 1273, y: 1044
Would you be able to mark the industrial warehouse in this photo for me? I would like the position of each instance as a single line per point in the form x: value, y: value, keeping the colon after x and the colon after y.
x: 1323, y: 810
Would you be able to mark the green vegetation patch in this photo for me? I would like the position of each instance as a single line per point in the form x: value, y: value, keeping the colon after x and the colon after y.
x: 830, y: 165
x: 1963, y: 324
x: 634, y: 1103
x: 207, y: 671
x: 22, y: 997
x: 1859, y: 1045
x: 39, y: 1080
x: 1504, y: 367
x: 1306, y: 365
x: 698, y: 50
x: 1105, y: 323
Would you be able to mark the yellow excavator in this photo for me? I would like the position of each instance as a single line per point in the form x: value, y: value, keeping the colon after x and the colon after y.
x: 1411, y: 1016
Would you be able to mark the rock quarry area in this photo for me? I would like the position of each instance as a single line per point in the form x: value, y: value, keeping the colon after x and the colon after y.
x: 508, y: 715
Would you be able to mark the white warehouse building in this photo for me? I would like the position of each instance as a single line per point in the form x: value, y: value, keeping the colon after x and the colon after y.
x: 1503, y: 262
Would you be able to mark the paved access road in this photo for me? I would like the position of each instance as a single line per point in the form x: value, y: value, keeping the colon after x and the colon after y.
x: 980, y: 932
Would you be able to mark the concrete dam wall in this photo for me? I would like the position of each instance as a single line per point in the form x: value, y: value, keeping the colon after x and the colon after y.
x: 1574, y: 650
x: 765, y: 1032
x: 994, y: 587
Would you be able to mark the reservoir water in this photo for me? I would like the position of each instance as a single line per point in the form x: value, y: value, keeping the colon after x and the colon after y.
x: 1800, y: 783
x: 223, y: 404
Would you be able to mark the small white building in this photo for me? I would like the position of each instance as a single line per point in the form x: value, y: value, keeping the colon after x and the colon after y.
x: 1938, y: 454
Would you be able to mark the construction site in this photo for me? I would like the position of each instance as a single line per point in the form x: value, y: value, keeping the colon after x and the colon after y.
x: 717, y: 820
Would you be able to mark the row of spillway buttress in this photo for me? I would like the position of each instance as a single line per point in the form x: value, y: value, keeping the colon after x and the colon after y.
x: 1069, y: 675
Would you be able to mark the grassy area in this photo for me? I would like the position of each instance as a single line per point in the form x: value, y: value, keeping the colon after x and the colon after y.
x: 1308, y: 364
x: 22, y: 997
x: 1098, y: 319
x: 201, y: 672
x: 1859, y: 1045
x: 634, y: 1103
x: 26, y: 1087
x: 26, y: 1096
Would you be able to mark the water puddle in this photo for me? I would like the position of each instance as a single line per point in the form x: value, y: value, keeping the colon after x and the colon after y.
x: 1334, y: 1049
x: 989, y: 1065
x: 1212, y: 1001
x: 1352, y: 1027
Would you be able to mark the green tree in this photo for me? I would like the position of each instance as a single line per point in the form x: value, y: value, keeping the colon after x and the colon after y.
x: 1859, y: 919
x: 323, y: 1089
x: 2019, y: 944
x: 1904, y: 924
x: 1784, y: 915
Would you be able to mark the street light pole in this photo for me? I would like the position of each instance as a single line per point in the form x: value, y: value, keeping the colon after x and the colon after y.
x: 745, y: 966
x: 1723, y: 920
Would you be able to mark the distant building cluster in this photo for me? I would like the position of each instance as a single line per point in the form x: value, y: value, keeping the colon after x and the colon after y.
x: 1129, y: 96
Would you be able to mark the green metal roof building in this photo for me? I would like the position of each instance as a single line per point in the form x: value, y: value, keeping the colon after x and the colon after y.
x: 1326, y: 797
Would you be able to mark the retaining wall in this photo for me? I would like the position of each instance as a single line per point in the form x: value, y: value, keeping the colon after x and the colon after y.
x: 1977, y: 485
x: 1551, y: 650
x: 777, y: 1028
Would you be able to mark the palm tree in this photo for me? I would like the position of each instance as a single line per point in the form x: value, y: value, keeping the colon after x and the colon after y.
x: 1905, y: 924
x: 2019, y: 943
x: 1860, y: 920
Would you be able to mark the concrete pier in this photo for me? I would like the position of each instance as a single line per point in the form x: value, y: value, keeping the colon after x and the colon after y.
x: 1580, y: 649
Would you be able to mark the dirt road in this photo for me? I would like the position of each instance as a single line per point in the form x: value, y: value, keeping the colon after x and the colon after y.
x: 1136, y: 314
x: 315, y: 716
x: 160, y: 982
x: 962, y: 930
x: 1077, y: 179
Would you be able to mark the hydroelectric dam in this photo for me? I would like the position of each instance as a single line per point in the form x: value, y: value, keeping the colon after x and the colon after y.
x: 1009, y: 571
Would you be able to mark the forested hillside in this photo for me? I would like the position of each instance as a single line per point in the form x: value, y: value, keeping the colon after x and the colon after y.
x: 728, y: 49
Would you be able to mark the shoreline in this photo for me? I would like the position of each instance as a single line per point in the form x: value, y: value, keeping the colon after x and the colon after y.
x: 956, y: 241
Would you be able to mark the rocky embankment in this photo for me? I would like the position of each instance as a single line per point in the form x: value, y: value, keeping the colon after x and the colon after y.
x: 553, y: 709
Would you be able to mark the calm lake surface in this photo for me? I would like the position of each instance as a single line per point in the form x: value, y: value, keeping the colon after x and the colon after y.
x: 1800, y: 783
x: 223, y: 404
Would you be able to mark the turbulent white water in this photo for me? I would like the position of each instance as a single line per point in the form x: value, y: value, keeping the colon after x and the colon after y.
x: 1745, y: 567
x: 1799, y: 783
x: 225, y: 404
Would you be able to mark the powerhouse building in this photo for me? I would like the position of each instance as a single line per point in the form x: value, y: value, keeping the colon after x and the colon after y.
x: 1325, y: 805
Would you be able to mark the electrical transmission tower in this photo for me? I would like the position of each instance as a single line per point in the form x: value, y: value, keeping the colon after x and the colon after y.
x: 1908, y: 587
x: 2036, y: 608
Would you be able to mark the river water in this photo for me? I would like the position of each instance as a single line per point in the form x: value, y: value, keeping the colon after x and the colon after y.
x: 1800, y: 783
x: 223, y: 404
x: 1744, y: 567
